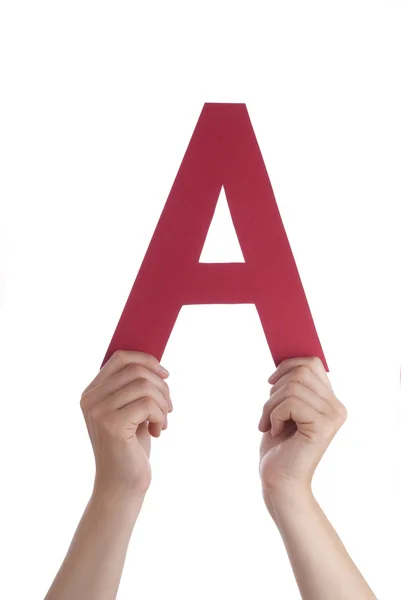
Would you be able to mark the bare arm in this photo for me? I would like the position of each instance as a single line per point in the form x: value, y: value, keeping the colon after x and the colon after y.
x: 93, y: 565
x: 322, y: 566
x: 298, y: 423
x: 125, y: 404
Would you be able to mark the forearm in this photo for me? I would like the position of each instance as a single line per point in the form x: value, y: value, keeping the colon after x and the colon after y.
x: 94, y: 562
x: 322, y: 567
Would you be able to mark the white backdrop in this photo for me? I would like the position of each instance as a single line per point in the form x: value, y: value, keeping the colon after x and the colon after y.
x: 99, y: 101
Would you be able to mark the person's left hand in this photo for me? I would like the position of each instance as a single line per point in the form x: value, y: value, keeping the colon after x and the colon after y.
x: 305, y: 416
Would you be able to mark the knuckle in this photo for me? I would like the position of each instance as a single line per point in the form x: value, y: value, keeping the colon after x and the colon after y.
x: 84, y: 407
x: 136, y: 370
x: 144, y: 384
x: 281, y: 407
x: 148, y: 403
x: 151, y: 360
x: 161, y: 416
x: 120, y: 355
x: 85, y: 391
x: 161, y: 402
x: 291, y: 388
x: 86, y: 394
x: 292, y: 400
x: 342, y: 411
x: 266, y: 406
x: 302, y: 371
x: 165, y: 407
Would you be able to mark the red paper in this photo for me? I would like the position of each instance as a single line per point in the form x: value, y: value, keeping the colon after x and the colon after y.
x: 223, y: 151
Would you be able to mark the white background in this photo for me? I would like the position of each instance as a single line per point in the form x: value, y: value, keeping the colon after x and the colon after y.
x: 98, y: 104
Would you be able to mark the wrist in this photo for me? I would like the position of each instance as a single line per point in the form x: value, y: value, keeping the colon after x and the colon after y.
x: 288, y: 499
x: 113, y: 498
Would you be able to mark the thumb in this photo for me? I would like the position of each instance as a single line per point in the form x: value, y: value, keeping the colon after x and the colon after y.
x: 143, y: 436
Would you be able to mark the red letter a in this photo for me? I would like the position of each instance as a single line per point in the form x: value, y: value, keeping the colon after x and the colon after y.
x: 223, y: 151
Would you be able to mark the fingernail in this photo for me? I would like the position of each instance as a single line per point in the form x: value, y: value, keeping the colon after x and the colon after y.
x: 164, y: 371
x: 271, y: 378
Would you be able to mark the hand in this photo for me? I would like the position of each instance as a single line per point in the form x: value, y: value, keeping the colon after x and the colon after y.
x: 125, y: 404
x: 299, y: 421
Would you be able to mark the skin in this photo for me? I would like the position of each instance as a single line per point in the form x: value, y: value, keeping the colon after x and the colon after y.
x: 305, y: 415
x: 128, y: 402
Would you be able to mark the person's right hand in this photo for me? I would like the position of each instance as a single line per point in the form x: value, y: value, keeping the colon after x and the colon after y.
x: 125, y: 404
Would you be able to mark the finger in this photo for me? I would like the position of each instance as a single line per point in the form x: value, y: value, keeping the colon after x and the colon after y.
x: 122, y: 358
x: 301, y: 412
x: 131, y: 393
x: 134, y: 391
x: 303, y: 374
x: 294, y: 390
x: 132, y: 415
x: 313, y: 362
x: 155, y: 429
x: 120, y: 379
